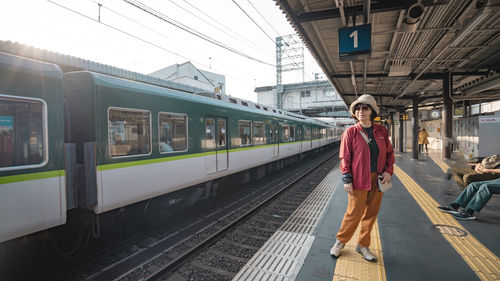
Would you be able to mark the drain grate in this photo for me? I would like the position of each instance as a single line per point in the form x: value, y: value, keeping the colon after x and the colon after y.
x: 450, y: 230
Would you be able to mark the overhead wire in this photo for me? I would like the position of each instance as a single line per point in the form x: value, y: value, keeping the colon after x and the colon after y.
x: 270, y: 25
x: 196, y: 33
x: 233, y: 34
x: 146, y: 27
x: 137, y: 37
x: 119, y: 30
x: 291, y: 59
x: 159, y: 15
x: 243, y: 10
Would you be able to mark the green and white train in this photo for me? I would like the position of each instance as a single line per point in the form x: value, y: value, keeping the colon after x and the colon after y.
x: 88, y: 141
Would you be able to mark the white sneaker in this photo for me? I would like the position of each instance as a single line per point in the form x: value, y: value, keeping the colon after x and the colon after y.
x: 366, y: 253
x: 336, y: 250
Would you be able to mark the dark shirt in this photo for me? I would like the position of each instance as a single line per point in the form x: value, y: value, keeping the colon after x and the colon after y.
x: 373, y: 149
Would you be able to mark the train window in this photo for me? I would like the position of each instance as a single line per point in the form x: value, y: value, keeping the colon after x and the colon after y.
x: 245, y: 132
x: 219, y: 97
x: 286, y: 133
x: 209, y: 133
x: 233, y: 100
x: 292, y: 133
x: 244, y: 103
x: 173, y: 132
x: 308, y: 133
x: 265, y: 108
x: 222, y: 133
x: 129, y: 132
x: 23, y: 135
x: 259, y: 133
x: 273, y: 133
x: 257, y: 106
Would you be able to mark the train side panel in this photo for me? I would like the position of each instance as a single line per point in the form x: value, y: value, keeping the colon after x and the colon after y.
x: 32, y: 183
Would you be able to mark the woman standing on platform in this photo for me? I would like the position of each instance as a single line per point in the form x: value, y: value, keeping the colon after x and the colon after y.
x: 365, y: 153
x: 422, y: 140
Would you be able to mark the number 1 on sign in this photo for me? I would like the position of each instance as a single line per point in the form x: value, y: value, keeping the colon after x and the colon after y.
x: 354, y: 35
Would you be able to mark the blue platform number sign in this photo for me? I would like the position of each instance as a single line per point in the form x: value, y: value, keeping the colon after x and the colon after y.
x: 354, y: 41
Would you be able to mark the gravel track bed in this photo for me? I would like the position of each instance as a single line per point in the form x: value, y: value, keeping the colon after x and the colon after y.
x: 244, y: 241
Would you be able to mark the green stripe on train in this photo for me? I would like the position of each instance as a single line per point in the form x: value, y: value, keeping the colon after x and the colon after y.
x: 172, y: 158
x: 31, y: 177
x: 61, y: 173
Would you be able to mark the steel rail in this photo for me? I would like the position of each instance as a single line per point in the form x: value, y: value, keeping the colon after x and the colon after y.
x: 180, y: 260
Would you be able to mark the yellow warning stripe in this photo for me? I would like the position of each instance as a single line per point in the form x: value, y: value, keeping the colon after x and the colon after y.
x: 440, y: 163
x: 482, y: 261
x: 352, y: 266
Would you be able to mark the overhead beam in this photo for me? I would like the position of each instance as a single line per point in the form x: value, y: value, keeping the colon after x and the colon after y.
x: 424, y: 76
x: 378, y: 7
x: 378, y: 95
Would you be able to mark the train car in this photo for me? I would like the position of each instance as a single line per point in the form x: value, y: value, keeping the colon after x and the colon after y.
x: 150, y: 140
x: 105, y: 143
x: 32, y: 178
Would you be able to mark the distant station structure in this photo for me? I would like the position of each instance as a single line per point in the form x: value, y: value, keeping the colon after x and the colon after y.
x: 188, y: 74
x: 315, y: 98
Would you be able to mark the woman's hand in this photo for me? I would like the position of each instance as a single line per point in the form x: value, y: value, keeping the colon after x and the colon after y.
x: 348, y: 187
x: 386, y: 177
x: 479, y: 168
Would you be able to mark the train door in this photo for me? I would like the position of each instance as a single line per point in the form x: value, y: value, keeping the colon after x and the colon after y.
x: 274, y: 138
x: 210, y: 146
x: 216, y: 147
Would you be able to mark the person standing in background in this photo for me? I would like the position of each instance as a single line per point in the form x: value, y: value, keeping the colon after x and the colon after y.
x: 422, y: 140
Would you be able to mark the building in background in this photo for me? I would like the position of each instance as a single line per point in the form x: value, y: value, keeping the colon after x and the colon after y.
x: 315, y: 99
x: 188, y: 74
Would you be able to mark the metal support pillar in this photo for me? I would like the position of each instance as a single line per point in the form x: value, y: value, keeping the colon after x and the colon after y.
x: 392, y: 131
x: 401, y: 129
x: 447, y: 117
x: 467, y: 108
x: 414, y: 137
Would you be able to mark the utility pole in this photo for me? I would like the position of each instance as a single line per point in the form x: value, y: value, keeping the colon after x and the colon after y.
x: 289, y: 57
x: 279, y: 82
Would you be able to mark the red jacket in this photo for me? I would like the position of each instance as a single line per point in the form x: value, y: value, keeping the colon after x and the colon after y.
x: 355, y: 155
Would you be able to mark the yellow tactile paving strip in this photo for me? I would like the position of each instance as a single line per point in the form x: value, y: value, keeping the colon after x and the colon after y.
x: 439, y: 162
x: 481, y: 260
x: 352, y: 266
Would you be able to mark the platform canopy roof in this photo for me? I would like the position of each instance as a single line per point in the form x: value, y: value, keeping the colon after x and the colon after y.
x: 414, y: 47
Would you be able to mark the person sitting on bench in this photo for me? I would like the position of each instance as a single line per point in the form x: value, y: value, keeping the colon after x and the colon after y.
x: 473, y: 198
x: 477, y: 172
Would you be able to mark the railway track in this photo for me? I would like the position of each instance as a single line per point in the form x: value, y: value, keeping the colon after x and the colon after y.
x: 216, y: 244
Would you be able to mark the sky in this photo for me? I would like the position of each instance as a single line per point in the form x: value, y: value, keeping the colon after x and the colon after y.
x: 130, y: 38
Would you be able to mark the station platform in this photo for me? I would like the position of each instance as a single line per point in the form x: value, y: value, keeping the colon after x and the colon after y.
x: 412, y: 239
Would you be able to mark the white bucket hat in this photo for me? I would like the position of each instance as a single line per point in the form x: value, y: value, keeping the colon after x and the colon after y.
x: 365, y: 99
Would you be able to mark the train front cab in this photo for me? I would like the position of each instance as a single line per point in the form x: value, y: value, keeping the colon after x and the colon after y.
x: 32, y: 183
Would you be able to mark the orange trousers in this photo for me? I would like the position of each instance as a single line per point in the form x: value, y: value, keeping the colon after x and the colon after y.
x: 363, y: 206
